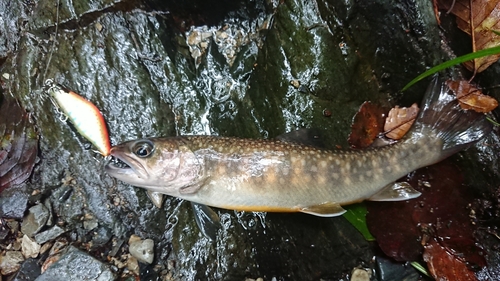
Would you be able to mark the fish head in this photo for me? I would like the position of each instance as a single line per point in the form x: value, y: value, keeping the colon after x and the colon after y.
x: 162, y: 165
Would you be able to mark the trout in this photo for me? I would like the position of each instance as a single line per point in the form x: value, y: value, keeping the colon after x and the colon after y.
x: 279, y: 176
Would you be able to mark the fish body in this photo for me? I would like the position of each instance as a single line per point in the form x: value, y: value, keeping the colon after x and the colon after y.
x: 278, y: 176
x: 83, y: 114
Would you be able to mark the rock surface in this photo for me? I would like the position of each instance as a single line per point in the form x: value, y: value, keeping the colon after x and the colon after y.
x: 77, y: 265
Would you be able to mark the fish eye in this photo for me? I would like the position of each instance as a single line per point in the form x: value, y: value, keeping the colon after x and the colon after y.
x: 143, y: 149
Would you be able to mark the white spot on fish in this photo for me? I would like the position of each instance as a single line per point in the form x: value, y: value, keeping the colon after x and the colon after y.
x: 335, y: 176
x: 282, y: 181
x: 285, y: 171
x: 361, y: 178
x: 322, y: 164
x: 369, y: 173
x: 314, y: 169
x: 337, y: 162
x: 347, y: 166
x: 303, y: 162
x: 347, y: 181
x: 360, y: 163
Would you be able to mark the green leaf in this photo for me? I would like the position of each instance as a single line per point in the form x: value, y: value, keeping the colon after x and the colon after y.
x: 356, y: 215
x: 444, y: 65
x: 420, y: 268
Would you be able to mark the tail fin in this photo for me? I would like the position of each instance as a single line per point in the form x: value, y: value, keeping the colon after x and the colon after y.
x: 456, y: 127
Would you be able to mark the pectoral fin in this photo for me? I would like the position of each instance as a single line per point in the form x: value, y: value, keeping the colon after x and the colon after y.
x: 397, y: 191
x: 156, y: 198
x: 207, y: 220
x: 327, y: 209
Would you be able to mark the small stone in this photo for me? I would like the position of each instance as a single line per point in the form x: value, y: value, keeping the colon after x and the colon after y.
x: 11, y: 262
x: 45, y: 247
x: 295, y: 83
x: 360, y: 274
x: 49, y: 234
x: 142, y: 250
x: 90, y: 224
x: 35, y: 220
x: 13, y: 203
x: 133, y: 265
x: 29, y: 270
x: 133, y: 238
x: 98, y: 26
x: 30, y: 248
x: 48, y: 205
x: 77, y: 265
x: 6, y: 76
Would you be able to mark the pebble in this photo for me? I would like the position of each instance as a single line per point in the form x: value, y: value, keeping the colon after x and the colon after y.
x: 142, y: 250
x: 30, y: 270
x: 10, y: 262
x: 49, y: 234
x: 29, y: 248
x: 35, y: 220
x: 360, y: 274
x: 13, y: 203
x: 133, y: 265
x: 77, y: 265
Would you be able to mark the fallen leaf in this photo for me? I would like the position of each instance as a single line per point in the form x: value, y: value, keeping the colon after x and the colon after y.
x: 444, y: 265
x: 399, y: 121
x: 471, y: 97
x: 18, y: 144
x: 367, y: 124
x: 485, y: 19
x: 442, y: 212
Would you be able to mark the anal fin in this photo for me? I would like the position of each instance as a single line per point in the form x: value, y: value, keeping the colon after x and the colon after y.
x: 327, y: 209
x: 207, y: 220
x: 397, y: 191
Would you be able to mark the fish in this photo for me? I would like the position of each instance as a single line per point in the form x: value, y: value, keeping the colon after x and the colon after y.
x: 83, y: 114
x: 284, y: 176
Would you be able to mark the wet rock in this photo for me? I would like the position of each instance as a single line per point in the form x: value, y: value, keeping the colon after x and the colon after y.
x: 35, y: 220
x: 76, y: 265
x: 11, y: 262
x: 49, y: 234
x: 101, y: 236
x: 29, y: 271
x: 387, y: 270
x: 29, y: 248
x: 13, y: 203
x: 142, y: 250
x: 148, y: 273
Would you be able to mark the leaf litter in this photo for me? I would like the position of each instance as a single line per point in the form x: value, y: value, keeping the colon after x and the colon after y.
x: 18, y: 144
x: 485, y: 15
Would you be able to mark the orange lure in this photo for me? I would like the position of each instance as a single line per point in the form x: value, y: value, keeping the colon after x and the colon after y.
x: 84, y: 115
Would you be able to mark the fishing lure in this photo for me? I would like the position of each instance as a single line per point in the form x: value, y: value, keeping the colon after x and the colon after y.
x: 84, y: 115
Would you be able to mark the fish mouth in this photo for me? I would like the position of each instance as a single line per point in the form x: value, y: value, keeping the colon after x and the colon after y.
x: 121, y: 165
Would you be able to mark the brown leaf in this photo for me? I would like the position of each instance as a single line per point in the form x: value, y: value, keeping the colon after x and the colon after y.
x: 485, y: 18
x: 18, y: 144
x: 367, y: 124
x: 442, y: 212
x: 471, y: 97
x: 445, y: 266
x: 399, y: 121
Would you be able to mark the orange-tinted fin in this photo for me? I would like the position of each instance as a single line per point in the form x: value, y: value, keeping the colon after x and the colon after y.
x: 327, y: 209
x: 397, y: 191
